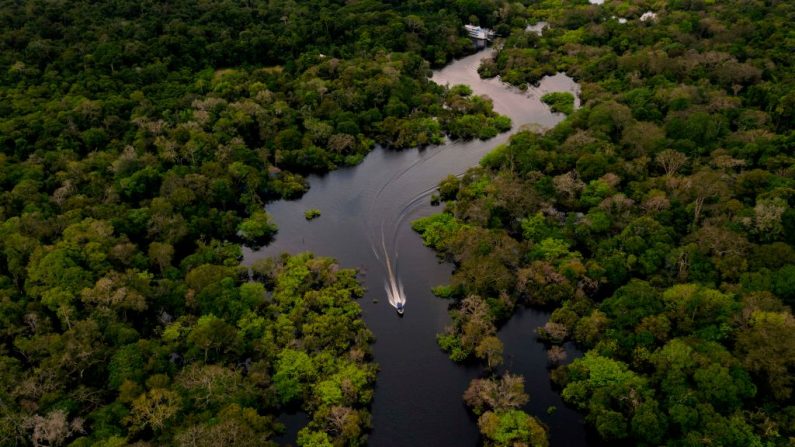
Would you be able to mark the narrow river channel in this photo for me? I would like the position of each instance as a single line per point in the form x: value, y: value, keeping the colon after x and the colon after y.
x: 418, y: 393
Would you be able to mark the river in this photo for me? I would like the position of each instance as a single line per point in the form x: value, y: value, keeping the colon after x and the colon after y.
x: 418, y: 392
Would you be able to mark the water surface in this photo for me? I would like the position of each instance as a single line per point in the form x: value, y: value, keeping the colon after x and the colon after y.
x: 366, y: 215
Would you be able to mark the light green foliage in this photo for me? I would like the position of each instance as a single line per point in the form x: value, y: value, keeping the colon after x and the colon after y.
x: 322, y: 368
x: 293, y: 370
x: 312, y: 213
x: 328, y: 392
x: 348, y: 386
x: 551, y: 249
x: 436, y: 230
x: 535, y: 228
x: 600, y: 371
x: 562, y: 102
x: 212, y: 334
x: 310, y: 438
x: 173, y: 331
x: 595, y: 192
x: 252, y: 294
x: 512, y: 427
x: 451, y: 343
x: 595, y: 375
x: 252, y: 326
x: 693, y: 308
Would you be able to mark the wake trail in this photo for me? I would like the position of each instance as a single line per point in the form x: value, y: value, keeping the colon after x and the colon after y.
x: 405, y: 212
x: 393, y: 285
x: 395, y: 177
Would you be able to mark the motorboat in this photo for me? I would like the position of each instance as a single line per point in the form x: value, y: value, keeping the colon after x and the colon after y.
x: 399, y: 308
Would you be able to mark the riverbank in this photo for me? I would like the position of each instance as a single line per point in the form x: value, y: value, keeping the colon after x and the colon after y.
x: 418, y: 392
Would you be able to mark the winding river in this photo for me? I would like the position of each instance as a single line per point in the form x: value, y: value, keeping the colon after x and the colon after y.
x: 365, y: 223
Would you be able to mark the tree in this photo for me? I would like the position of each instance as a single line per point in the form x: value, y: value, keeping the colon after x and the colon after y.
x: 511, y: 428
x: 500, y: 394
x: 590, y: 328
x: 212, y: 333
x: 766, y: 348
x: 293, y: 370
x: 154, y: 409
x: 645, y: 138
x: 556, y: 355
x: 767, y: 218
x: 696, y: 308
x: 54, y: 429
x: 568, y: 185
x: 161, y: 254
x: 562, y: 102
x: 671, y: 161
x: 233, y: 425
x: 210, y: 385
x: 309, y: 438
x: 490, y: 349
x: 649, y: 423
x: 119, y: 291
x: 257, y: 228
x: 705, y: 184
x: 609, y: 118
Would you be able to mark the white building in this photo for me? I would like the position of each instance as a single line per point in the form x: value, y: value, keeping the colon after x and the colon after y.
x: 648, y: 16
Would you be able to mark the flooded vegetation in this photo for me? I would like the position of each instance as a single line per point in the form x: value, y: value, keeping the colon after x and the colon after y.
x: 338, y: 223
x: 367, y: 212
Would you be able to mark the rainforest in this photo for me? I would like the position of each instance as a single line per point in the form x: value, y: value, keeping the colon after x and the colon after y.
x: 346, y: 223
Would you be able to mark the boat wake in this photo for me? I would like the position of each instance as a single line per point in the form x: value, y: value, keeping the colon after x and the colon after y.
x: 393, y: 286
x: 388, y: 250
x: 395, y: 294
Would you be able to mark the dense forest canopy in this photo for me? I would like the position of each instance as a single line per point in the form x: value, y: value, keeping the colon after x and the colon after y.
x: 657, y: 221
x: 139, y: 142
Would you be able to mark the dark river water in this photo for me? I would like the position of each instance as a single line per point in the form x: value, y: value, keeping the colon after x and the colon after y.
x: 366, y: 215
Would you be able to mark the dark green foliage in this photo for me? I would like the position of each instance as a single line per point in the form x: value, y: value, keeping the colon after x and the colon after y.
x: 655, y: 220
x: 139, y: 144
x: 140, y: 141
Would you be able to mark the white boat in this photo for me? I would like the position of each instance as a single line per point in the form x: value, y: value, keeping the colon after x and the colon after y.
x: 479, y: 33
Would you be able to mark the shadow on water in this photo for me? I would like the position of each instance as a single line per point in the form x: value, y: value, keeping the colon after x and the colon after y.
x: 525, y: 355
x: 366, y: 216
x: 292, y: 423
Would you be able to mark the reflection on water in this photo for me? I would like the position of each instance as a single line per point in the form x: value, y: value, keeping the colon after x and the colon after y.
x: 365, y: 224
x: 523, y: 107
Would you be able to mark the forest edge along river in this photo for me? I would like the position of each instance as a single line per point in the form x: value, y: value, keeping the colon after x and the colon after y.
x: 365, y: 224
